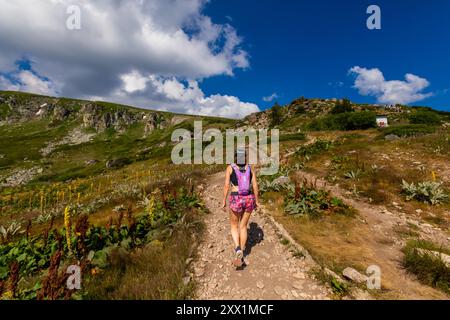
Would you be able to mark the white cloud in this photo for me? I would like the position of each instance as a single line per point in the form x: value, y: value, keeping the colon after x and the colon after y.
x: 30, y: 82
x: 6, y: 84
x: 183, y: 97
x: 118, y: 40
x: 25, y: 80
x: 133, y: 82
x: 371, y: 82
x: 270, y: 98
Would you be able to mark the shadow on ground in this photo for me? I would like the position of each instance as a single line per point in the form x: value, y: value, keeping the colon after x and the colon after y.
x: 255, y: 236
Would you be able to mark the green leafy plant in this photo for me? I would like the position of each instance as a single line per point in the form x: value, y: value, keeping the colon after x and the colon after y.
x: 306, y: 200
x: 345, y: 121
x: 314, y: 148
x: 424, y: 117
x: 353, y: 174
x: 409, y: 130
x: 9, y: 232
x: 342, y: 106
x: 427, y: 192
x: 276, y: 116
x: 93, y: 244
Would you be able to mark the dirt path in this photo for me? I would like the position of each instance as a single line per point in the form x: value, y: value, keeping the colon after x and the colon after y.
x: 272, y: 272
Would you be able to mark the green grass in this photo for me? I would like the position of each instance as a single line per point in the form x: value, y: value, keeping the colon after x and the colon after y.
x: 293, y: 137
x: 33, y: 136
x: 344, y: 121
x: 408, y: 130
x: 154, y: 272
x: 429, y: 269
x: 339, y: 289
x: 4, y: 111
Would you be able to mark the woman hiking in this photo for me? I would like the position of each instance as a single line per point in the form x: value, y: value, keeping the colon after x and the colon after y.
x: 243, y: 200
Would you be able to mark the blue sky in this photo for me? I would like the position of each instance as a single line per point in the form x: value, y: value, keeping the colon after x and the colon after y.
x: 307, y: 47
x: 227, y: 58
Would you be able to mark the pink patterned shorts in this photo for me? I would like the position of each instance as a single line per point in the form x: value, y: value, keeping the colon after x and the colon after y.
x: 240, y: 204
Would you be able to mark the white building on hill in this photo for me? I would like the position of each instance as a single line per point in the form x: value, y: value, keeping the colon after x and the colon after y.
x: 382, y: 120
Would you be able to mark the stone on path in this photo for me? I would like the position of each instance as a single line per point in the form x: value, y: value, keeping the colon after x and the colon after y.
x: 354, y: 275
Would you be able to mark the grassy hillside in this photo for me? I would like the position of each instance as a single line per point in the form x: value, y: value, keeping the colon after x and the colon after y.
x: 114, y: 182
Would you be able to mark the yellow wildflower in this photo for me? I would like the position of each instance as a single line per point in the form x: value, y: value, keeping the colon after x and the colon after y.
x: 67, y: 224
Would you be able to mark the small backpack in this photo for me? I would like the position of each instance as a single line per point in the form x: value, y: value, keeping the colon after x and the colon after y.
x: 243, y: 179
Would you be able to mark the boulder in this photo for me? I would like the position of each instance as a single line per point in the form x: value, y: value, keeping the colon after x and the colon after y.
x: 283, y: 180
x: 117, y: 163
x: 359, y: 294
x: 391, y: 137
x: 91, y: 162
x: 353, y: 275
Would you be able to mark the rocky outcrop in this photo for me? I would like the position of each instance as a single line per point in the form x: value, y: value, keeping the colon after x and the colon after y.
x: 20, y: 177
x: 74, y: 137
x: 95, y: 117
x: 60, y: 113
x: 258, y: 120
x: 153, y: 121
x: 23, y: 107
x: 178, y: 119
x: 312, y: 107
x: 45, y: 110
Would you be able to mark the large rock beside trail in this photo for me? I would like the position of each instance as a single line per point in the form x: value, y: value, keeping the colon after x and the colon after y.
x: 281, y: 181
x: 353, y: 275
x: 391, y: 137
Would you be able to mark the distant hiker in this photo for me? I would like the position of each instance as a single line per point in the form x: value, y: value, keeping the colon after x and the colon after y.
x: 243, y: 200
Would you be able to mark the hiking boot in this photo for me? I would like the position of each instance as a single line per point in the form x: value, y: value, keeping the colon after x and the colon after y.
x: 238, y: 258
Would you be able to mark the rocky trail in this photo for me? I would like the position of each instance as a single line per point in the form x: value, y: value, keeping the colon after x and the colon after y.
x: 272, y: 271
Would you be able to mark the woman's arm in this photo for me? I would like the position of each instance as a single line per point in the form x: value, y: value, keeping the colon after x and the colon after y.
x: 255, y: 187
x: 226, y: 187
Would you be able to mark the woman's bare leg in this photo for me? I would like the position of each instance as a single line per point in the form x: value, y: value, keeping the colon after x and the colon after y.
x: 243, y: 225
x: 234, y: 219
